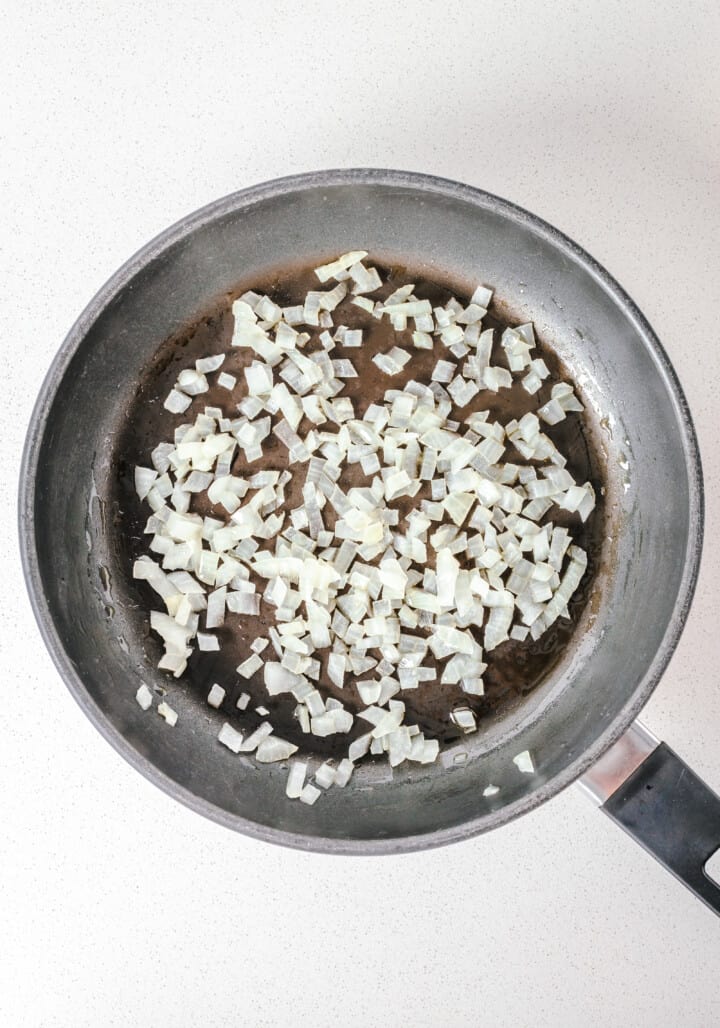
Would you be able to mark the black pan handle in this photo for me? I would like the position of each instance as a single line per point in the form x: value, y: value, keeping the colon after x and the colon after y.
x: 665, y: 807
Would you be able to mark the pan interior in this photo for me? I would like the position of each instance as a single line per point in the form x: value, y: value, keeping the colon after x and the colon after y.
x: 513, y: 669
x: 81, y: 536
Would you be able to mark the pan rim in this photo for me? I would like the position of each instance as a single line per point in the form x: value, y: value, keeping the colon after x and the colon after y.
x: 34, y: 441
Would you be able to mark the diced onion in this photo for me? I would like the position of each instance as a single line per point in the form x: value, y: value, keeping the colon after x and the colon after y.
x: 325, y: 775
x: 216, y: 696
x: 357, y: 588
x: 309, y: 794
x: 230, y: 737
x: 167, y: 713
x: 249, y: 666
x: 296, y: 779
x: 143, y: 697
x: 523, y: 761
x: 273, y: 749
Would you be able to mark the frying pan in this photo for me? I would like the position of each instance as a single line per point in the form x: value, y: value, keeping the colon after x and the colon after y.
x: 580, y: 721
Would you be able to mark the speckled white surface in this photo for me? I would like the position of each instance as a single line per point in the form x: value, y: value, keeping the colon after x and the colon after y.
x: 120, y: 907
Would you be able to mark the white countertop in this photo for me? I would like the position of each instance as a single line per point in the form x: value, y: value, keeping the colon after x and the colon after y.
x: 119, y: 906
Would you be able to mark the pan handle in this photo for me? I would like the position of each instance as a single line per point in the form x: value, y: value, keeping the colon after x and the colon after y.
x: 650, y: 792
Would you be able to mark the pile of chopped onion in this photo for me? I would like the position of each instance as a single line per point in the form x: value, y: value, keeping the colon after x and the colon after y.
x: 470, y: 568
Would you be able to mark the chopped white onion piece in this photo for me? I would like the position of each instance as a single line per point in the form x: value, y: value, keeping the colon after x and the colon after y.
x: 273, y: 749
x: 552, y: 412
x: 143, y: 697
x: 337, y: 664
x: 253, y: 740
x: 309, y: 794
x: 144, y: 480
x: 278, y: 679
x: 343, y: 772
x: 296, y: 779
x: 369, y: 691
x: 347, y: 260
x: 431, y: 748
x: 393, y: 362
x: 565, y: 396
x: 523, y: 761
x: 531, y: 382
x: 444, y: 371
x: 325, y: 775
x: 359, y: 747
x: 482, y: 297
x: 231, y: 738
x: 207, y: 642
x: 243, y: 603
x: 216, y: 696
x: 464, y: 718
x: 250, y: 666
x: 205, y: 365
x: 215, y: 614
x: 177, y: 402
x: 422, y: 340
x: 495, y: 379
x: 167, y: 713
x: 192, y: 382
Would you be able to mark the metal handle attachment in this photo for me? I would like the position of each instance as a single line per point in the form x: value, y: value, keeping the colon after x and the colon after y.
x: 650, y: 792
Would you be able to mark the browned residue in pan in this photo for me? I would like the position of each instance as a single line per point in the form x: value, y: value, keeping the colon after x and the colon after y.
x: 514, y: 669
